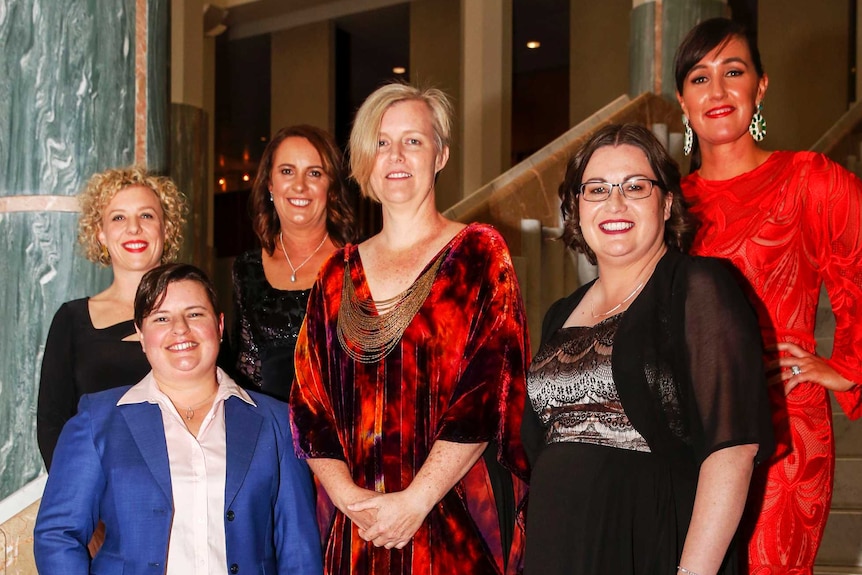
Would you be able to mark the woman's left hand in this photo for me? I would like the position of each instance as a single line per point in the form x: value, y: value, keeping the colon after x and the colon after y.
x: 399, y: 516
x: 801, y: 365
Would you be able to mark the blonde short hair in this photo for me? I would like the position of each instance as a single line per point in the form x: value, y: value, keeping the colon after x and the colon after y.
x: 366, y: 126
x: 101, y: 189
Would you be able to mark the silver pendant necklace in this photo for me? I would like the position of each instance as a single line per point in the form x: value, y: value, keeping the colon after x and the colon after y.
x: 287, y: 257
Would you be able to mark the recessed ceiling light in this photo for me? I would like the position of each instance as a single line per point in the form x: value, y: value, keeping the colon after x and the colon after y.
x: 399, y: 70
x: 533, y: 44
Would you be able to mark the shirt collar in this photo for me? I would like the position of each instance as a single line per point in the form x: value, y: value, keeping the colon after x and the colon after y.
x: 147, y: 391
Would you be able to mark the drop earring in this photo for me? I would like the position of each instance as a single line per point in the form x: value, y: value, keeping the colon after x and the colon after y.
x: 271, y: 199
x: 757, y: 128
x: 688, y: 140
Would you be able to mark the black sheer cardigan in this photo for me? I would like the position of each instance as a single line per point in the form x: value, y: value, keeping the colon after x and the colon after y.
x: 688, y: 366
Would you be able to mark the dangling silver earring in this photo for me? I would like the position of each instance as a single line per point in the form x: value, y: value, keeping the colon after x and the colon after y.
x: 688, y: 142
x: 757, y: 128
x: 271, y: 199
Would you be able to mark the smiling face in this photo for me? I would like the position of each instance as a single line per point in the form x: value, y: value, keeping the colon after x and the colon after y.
x: 133, y: 229
x: 407, y: 157
x: 181, y: 336
x: 721, y: 92
x: 618, y: 230
x: 299, y: 184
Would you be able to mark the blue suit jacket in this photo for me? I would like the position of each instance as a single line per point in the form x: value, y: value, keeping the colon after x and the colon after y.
x: 111, y: 463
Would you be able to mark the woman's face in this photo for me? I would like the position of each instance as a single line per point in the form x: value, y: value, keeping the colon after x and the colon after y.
x: 618, y: 230
x: 407, y: 157
x: 721, y: 92
x: 299, y: 185
x: 133, y: 229
x: 181, y: 336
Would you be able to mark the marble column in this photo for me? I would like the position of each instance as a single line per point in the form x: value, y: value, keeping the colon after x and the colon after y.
x: 657, y: 28
x: 83, y: 89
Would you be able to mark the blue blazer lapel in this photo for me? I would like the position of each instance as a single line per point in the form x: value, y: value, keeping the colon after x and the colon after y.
x: 148, y: 431
x: 242, y: 427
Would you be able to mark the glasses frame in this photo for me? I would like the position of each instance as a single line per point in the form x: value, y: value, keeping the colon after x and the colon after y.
x: 653, y: 184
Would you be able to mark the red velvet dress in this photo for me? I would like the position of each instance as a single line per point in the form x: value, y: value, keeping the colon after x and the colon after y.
x: 790, y: 225
x: 458, y: 374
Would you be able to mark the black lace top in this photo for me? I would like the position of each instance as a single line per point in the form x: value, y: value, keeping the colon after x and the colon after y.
x: 267, y: 321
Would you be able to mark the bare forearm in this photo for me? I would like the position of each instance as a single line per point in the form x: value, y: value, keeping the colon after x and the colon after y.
x: 721, y: 493
x: 447, y: 463
x: 334, y: 476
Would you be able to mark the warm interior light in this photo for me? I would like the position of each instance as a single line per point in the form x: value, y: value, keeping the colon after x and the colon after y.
x: 533, y: 44
x: 399, y: 70
x: 245, y: 177
x: 221, y: 181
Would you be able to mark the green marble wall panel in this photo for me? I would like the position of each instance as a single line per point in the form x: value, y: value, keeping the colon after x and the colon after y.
x: 641, y: 49
x: 189, y: 171
x: 67, y: 110
x: 158, y: 58
x: 677, y: 18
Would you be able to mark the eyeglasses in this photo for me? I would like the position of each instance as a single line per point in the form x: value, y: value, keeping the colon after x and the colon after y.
x: 634, y: 189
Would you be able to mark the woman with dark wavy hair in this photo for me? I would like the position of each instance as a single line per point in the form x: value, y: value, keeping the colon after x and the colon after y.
x: 301, y: 213
x: 647, y: 406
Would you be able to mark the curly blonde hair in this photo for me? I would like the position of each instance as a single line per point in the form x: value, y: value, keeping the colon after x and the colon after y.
x: 101, y: 189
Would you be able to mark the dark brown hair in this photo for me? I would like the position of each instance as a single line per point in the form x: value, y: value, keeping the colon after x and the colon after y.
x: 700, y: 41
x: 340, y: 217
x: 154, y: 287
x: 679, y: 229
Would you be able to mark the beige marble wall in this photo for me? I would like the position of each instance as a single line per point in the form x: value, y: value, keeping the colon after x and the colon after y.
x: 16, y: 538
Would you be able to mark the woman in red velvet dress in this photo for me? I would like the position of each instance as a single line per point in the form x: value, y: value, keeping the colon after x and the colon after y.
x: 789, y: 222
x: 412, y: 361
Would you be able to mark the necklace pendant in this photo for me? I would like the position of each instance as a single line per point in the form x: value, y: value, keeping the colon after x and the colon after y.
x: 293, y: 277
x: 190, y: 413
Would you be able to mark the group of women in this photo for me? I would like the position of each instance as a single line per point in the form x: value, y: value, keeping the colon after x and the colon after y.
x: 404, y: 359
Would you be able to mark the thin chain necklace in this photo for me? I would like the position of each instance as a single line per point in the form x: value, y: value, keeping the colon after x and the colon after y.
x: 287, y: 257
x: 190, y: 410
x: 616, y: 307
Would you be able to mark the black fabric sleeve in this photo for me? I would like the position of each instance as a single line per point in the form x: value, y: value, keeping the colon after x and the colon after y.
x: 725, y: 356
x: 245, y: 350
x: 57, y: 395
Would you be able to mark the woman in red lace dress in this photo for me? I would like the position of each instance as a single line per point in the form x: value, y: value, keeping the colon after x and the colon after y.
x: 412, y: 361
x: 789, y: 222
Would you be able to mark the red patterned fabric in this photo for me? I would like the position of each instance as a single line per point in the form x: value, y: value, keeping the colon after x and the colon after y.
x: 790, y: 225
x: 458, y: 374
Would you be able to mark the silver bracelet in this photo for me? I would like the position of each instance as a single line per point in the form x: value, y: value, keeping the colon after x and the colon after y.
x: 684, y: 571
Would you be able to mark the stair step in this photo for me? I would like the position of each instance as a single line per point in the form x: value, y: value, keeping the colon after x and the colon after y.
x: 842, y: 540
x: 848, y: 435
x: 836, y: 570
x: 848, y: 484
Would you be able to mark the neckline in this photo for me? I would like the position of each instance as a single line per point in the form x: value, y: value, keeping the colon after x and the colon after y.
x: 772, y: 158
x: 353, y: 257
x: 127, y: 323
x: 259, y: 257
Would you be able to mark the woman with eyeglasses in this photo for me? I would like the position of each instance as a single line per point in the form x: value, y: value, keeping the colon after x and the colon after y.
x: 647, y: 408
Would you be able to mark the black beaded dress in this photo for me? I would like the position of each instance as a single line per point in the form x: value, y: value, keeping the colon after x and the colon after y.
x: 266, y: 324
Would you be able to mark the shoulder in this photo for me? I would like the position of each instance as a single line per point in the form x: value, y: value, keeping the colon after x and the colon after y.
x: 246, y: 260
x: 102, y: 402
x: 273, y: 411
x: 73, y: 308
x: 335, y: 262
x: 481, y: 241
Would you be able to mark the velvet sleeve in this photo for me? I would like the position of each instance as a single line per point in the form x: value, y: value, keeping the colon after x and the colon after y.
x: 835, y: 219
x: 488, y: 399
x: 315, y: 431
x: 57, y: 394
x: 69, y: 510
x: 245, y: 348
x: 724, y: 352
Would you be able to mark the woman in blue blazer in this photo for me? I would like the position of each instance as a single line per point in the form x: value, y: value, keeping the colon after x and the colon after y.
x: 190, y: 473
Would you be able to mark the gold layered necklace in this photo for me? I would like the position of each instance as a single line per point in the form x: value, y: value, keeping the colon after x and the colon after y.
x: 374, y: 328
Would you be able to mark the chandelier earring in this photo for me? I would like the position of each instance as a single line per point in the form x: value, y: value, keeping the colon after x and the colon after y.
x: 757, y: 128
x: 688, y: 140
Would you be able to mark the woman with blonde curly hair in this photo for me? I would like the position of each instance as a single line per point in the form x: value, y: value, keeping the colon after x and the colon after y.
x: 131, y: 221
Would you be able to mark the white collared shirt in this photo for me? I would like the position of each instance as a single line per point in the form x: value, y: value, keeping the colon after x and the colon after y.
x: 198, y: 466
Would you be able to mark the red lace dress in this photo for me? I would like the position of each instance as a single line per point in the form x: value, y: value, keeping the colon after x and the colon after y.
x: 790, y: 225
x: 458, y: 374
